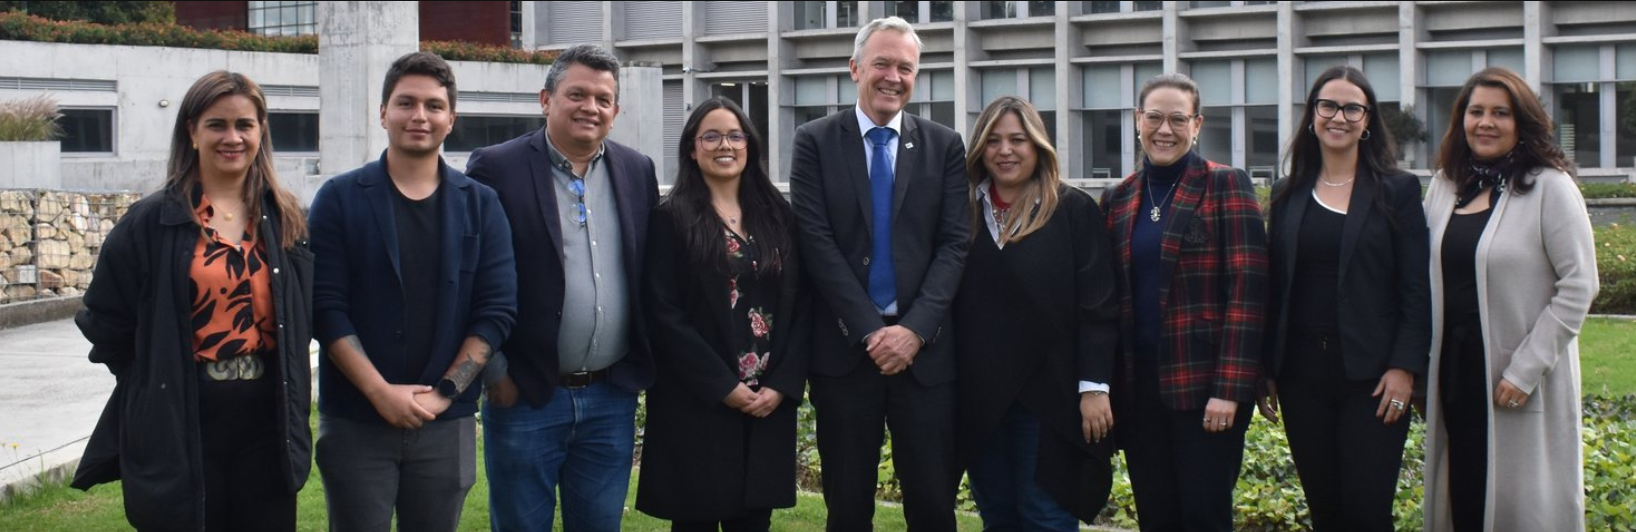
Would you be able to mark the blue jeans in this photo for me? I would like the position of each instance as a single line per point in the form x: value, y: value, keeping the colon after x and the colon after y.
x: 1002, y: 479
x: 582, y: 441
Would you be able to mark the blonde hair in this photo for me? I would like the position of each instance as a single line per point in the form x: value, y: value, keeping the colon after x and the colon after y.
x: 1040, y: 192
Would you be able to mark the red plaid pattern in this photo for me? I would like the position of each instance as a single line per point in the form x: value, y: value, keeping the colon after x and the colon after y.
x: 1214, y: 251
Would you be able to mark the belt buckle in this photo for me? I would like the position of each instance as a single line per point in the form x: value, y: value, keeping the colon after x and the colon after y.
x: 576, y: 380
x: 242, y: 368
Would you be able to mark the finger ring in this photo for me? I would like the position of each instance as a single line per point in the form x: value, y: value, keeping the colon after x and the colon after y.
x: 1397, y: 404
x: 1222, y: 423
x: 1513, y: 404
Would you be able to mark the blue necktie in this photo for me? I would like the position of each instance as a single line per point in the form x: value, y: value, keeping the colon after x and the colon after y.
x: 883, y: 286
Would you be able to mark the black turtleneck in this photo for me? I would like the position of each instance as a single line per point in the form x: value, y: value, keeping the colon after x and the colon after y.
x: 1158, y: 186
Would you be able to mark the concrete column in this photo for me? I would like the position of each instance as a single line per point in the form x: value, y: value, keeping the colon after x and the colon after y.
x: 780, y: 137
x: 358, y: 42
x: 695, y: 58
x: 1410, y: 78
x: 641, y: 121
x: 1289, y: 30
x: 1170, y: 30
x: 1069, y: 84
x: 966, y: 50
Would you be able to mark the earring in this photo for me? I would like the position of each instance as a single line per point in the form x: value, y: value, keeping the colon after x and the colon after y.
x: 1138, y: 138
x: 1365, y: 135
x: 1312, y: 128
x: 195, y: 146
x: 1195, y: 140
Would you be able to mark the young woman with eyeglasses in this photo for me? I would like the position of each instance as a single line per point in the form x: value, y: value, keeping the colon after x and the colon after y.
x: 726, y: 308
x: 1349, y: 319
x: 1190, y: 256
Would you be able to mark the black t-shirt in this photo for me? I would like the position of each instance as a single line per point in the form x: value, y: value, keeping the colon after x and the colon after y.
x: 1315, y: 301
x: 419, y: 237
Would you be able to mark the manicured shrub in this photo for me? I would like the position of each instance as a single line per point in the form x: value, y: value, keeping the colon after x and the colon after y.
x: 1616, y: 268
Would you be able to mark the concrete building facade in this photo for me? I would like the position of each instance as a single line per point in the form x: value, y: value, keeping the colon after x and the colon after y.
x: 1081, y: 64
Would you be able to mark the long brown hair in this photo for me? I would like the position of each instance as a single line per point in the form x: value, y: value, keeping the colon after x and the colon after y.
x: 1536, y: 140
x: 1041, y: 190
x: 182, y: 172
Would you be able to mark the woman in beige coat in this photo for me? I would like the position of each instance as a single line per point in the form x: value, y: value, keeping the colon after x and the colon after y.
x: 1513, y: 275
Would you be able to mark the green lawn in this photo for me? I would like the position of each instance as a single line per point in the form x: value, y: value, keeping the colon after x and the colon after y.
x: 1607, y: 358
x: 60, y: 508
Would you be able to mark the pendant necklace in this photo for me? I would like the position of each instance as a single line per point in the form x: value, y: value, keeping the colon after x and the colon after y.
x: 1155, y: 214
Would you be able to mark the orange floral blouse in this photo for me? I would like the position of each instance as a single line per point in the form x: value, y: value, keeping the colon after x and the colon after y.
x: 231, y: 293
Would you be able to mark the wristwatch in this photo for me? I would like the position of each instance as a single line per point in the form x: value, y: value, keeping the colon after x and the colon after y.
x: 448, y: 388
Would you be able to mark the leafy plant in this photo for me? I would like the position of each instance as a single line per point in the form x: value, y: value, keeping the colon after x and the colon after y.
x: 1405, y: 126
x: 1616, y: 268
x: 99, y: 12
x: 1607, y: 190
x: 29, y: 119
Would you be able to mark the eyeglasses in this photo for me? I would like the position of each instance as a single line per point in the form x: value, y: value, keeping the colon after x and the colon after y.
x: 577, y: 186
x: 1177, y: 121
x: 1353, y: 112
x: 713, y: 139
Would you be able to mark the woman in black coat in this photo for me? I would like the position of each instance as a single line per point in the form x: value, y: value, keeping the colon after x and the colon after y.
x: 1035, y: 329
x: 1350, y: 308
x: 201, y: 307
x: 727, y: 312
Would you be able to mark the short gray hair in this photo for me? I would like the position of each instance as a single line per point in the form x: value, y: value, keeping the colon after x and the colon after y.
x: 888, y: 23
x: 590, y: 55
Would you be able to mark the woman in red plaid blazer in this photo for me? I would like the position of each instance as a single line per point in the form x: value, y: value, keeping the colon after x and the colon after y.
x: 1191, y: 256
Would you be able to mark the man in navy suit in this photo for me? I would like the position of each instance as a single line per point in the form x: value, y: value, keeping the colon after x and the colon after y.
x: 880, y: 196
x: 414, y: 283
x: 561, y: 418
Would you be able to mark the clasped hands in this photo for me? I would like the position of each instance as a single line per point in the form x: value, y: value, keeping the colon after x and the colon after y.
x: 752, y: 402
x: 893, y: 348
x: 408, y: 406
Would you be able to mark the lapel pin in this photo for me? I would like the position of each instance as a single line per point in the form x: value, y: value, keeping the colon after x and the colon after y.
x: 909, y: 146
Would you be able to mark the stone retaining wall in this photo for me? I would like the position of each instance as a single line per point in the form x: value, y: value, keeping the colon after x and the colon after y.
x: 49, y: 240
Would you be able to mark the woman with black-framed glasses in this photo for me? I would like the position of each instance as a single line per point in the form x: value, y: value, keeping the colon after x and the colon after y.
x: 1349, y: 319
x: 726, y: 307
x: 1190, y: 258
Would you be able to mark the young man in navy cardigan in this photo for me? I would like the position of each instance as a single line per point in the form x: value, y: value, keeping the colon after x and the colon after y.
x: 414, y: 287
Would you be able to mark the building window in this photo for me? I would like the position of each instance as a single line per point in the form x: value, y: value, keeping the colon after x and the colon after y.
x: 1108, y: 131
x: 1250, y: 114
x: 472, y: 132
x: 921, y: 12
x: 999, y: 10
x: 816, y: 15
x: 1202, y: 5
x: 293, y: 131
x: 934, y: 96
x: 283, y: 18
x: 87, y: 131
x: 515, y: 10
x: 1149, y: 6
x: 1625, y: 120
x: 1102, y: 7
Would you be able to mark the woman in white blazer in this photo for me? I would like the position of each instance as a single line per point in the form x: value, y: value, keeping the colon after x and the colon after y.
x: 1513, y: 274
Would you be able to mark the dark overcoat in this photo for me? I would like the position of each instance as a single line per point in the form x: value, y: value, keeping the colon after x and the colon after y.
x: 702, y: 460
x: 137, y: 318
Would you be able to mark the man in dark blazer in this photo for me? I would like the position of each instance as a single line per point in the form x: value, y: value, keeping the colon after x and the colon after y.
x: 414, y: 284
x: 880, y: 197
x: 563, y: 414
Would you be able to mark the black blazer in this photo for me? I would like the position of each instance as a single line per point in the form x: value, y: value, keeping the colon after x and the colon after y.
x: 703, y: 460
x: 520, y: 171
x: 829, y: 188
x: 1385, y: 295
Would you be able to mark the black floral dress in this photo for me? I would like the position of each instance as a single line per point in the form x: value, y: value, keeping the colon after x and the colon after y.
x: 748, y: 300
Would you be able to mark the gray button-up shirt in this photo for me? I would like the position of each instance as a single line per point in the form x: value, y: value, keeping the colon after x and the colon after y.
x: 596, y: 320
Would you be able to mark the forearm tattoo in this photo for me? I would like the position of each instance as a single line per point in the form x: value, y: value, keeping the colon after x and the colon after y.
x: 469, y: 368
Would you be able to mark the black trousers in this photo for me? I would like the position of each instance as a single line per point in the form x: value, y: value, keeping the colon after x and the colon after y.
x: 752, y: 521
x: 1182, y: 476
x: 1463, y: 385
x: 854, y: 411
x: 239, y: 435
x: 1347, y: 458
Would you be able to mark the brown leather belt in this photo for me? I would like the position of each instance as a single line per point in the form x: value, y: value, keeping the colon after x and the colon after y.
x: 581, y: 379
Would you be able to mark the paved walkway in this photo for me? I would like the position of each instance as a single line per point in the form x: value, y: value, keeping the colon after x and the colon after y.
x: 50, y: 396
